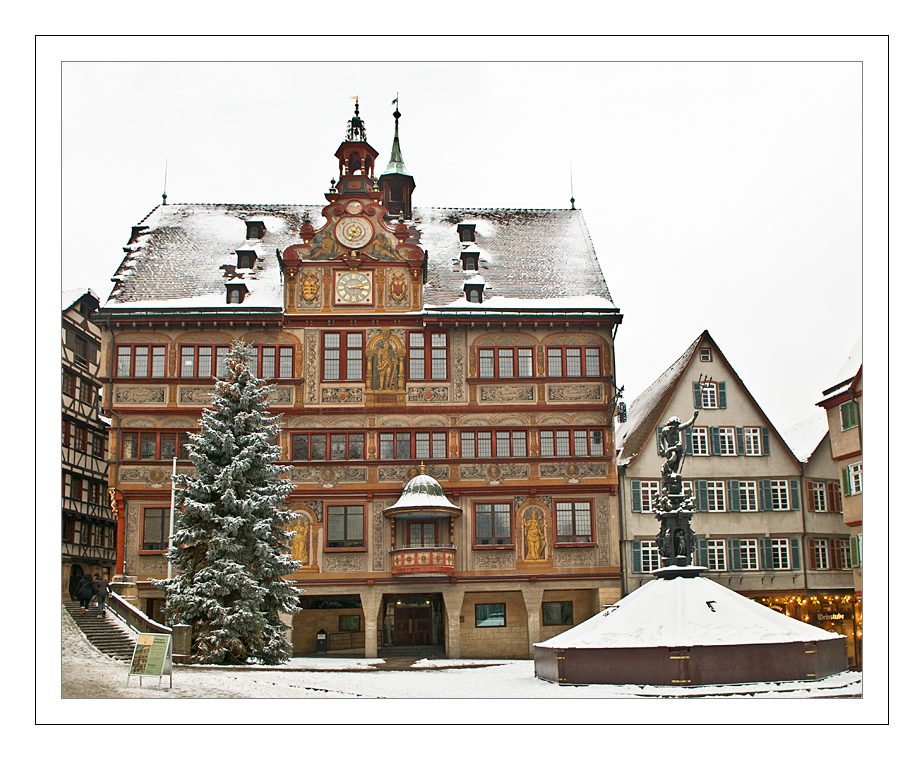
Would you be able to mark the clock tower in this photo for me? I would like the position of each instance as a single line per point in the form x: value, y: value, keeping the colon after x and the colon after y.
x: 357, y: 159
x: 396, y: 183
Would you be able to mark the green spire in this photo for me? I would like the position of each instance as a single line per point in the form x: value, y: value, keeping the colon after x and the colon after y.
x: 396, y: 162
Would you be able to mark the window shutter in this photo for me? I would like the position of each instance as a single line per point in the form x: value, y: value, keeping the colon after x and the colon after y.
x: 734, y: 496
x: 721, y: 385
x: 795, y: 562
x: 764, y: 497
x: 836, y: 552
x: 636, y: 556
x: 845, y: 478
x: 658, y: 430
x: 702, y: 496
x: 687, y: 441
x: 809, y: 496
x: 714, y: 445
x: 810, y: 560
x: 766, y: 553
x: 764, y: 442
x: 739, y: 440
x: 734, y: 553
x: 855, y: 558
x: 636, y: 496
x: 697, y: 396
x: 701, y: 553
x: 794, y: 495
x: 834, y: 497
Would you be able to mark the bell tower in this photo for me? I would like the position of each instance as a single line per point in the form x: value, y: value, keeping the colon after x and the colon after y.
x: 396, y: 183
x: 357, y: 159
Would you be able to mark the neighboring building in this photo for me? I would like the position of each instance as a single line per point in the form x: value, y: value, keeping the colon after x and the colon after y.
x: 87, y: 522
x: 464, y: 353
x: 843, y: 403
x: 752, y: 527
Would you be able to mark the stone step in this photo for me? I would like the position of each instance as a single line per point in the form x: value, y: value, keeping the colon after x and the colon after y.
x: 104, y: 634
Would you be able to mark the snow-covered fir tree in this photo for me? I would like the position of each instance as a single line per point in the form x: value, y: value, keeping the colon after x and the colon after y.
x: 230, y: 550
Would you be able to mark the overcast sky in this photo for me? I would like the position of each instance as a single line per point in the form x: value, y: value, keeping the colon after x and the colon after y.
x: 720, y: 195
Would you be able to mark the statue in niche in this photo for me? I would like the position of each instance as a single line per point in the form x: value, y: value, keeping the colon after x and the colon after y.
x: 385, y: 363
x: 534, y: 531
x: 300, y: 542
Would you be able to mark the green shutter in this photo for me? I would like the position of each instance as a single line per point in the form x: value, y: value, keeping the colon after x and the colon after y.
x: 734, y: 551
x: 794, y: 495
x: 795, y: 562
x: 734, y: 496
x: 856, y: 560
x: 702, y: 496
x: 764, y: 496
x: 636, y: 496
x: 687, y: 441
x: 764, y: 442
x: 636, y: 556
x: 722, y: 404
x: 697, y: 396
x: 739, y: 441
x: 766, y: 553
x: 714, y: 446
x: 701, y: 553
x: 845, y: 478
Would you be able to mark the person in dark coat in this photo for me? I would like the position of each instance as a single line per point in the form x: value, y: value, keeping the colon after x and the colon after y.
x: 101, y: 589
x: 84, y: 594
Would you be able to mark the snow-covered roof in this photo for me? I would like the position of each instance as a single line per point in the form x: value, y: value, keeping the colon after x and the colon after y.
x: 685, y: 612
x: 805, y: 436
x: 70, y: 297
x: 183, y: 255
x: 422, y: 492
x: 848, y: 372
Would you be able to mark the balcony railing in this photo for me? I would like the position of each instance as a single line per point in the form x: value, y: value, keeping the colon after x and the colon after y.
x: 438, y: 560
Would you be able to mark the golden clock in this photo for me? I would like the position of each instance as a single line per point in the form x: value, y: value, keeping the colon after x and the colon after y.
x: 353, y: 231
x: 354, y: 287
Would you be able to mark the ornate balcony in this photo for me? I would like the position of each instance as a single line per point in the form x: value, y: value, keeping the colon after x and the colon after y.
x: 438, y: 560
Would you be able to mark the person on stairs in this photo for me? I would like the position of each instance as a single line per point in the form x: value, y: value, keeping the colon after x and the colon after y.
x: 84, y: 594
x: 101, y: 589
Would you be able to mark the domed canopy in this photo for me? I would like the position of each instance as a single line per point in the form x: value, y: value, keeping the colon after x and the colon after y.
x: 423, y: 494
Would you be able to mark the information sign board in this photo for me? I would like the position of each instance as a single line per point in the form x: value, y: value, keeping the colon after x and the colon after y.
x: 153, y: 656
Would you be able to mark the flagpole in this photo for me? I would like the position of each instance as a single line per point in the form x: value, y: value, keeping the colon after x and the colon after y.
x: 172, y: 503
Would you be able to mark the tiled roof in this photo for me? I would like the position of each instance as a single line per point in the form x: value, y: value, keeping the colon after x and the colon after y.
x: 182, y: 255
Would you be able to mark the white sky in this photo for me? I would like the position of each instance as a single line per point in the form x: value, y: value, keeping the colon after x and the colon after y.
x: 719, y: 195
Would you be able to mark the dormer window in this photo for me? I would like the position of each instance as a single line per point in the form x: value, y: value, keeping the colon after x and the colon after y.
x: 466, y: 233
x: 474, y: 292
x: 246, y: 259
x: 236, y: 292
x: 255, y: 230
x: 470, y: 261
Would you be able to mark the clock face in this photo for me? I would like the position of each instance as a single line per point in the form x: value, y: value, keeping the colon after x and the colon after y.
x: 354, y: 231
x: 354, y: 287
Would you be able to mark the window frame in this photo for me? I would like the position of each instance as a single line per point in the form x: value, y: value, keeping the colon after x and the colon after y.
x: 716, y: 492
x: 182, y: 438
x: 564, y: 365
x: 699, y: 439
x: 132, y: 351
x: 164, y: 529
x: 716, y: 555
x: 778, y: 548
x: 749, y: 548
x: 574, y: 538
x: 753, y: 443
x: 517, y: 352
x: 349, y: 542
x: 351, y: 438
x: 779, y: 496
x: 491, y: 541
x: 751, y: 488
x: 344, y: 361
x: 712, y: 395
x: 430, y: 355
x: 473, y: 440
x: 649, y: 558
x: 546, y: 619
x: 485, y: 613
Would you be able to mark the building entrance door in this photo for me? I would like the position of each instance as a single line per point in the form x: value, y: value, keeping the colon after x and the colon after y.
x: 413, y: 620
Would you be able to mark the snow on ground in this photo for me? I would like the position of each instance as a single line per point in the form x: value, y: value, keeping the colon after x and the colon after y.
x: 438, y: 691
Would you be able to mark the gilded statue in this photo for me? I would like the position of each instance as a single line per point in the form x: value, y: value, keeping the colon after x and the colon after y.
x: 535, y: 536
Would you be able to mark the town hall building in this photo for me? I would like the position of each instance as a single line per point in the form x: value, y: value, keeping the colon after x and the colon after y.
x: 446, y: 383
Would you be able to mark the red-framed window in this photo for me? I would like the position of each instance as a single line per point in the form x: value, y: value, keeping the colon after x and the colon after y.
x: 277, y: 361
x: 493, y: 524
x: 344, y: 356
x: 506, y: 361
x: 154, y: 444
x: 427, y: 356
x: 141, y: 360
x: 574, y: 361
x: 567, y: 442
x: 202, y: 360
x: 155, y: 528
x: 345, y: 526
x: 328, y: 446
x: 490, y: 444
x: 574, y: 522
x: 422, y: 534
x: 418, y: 444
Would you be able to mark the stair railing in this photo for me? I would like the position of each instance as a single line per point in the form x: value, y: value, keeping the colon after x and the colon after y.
x: 133, y: 617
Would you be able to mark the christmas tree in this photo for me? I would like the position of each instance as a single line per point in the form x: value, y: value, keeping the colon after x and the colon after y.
x: 230, y: 549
